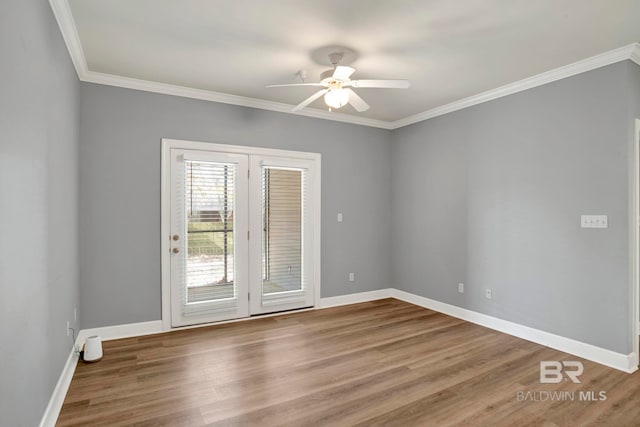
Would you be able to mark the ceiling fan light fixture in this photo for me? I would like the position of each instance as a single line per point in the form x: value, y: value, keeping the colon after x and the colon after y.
x: 336, y: 98
x: 333, y: 83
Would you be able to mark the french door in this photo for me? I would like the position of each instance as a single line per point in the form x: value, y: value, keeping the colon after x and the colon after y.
x: 281, y: 261
x: 241, y: 232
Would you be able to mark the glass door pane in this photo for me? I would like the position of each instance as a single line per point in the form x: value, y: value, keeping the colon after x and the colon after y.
x: 282, y: 230
x: 281, y: 259
x: 209, y: 209
x: 209, y: 206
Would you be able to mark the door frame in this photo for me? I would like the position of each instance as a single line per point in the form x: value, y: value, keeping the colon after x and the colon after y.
x: 167, y: 144
x: 635, y: 247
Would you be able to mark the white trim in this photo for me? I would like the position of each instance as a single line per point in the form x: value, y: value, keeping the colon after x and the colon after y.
x: 627, y: 363
x: 568, y: 345
x: 355, y: 298
x: 117, y: 332
x: 156, y: 326
x: 635, y: 54
x: 317, y: 232
x: 634, y: 262
x: 631, y: 51
x: 52, y: 411
x: 165, y: 230
x: 167, y: 144
x: 238, y: 149
x: 224, y: 98
x: 63, y: 15
x: 129, y: 330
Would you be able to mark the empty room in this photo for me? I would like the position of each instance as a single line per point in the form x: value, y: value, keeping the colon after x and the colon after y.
x: 287, y: 213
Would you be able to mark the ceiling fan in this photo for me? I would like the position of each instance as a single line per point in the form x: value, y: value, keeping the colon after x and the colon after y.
x: 337, y: 86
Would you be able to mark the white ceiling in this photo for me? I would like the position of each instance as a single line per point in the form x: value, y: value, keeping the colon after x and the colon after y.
x: 449, y: 50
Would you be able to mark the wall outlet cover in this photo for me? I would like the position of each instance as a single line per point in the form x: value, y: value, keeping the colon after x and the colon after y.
x: 594, y: 221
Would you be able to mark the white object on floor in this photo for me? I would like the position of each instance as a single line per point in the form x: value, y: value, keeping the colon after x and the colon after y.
x: 93, y: 349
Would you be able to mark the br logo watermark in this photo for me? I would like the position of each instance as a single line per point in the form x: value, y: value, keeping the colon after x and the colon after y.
x: 553, y: 372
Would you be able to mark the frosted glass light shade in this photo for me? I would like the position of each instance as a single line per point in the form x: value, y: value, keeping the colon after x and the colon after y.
x: 336, y: 98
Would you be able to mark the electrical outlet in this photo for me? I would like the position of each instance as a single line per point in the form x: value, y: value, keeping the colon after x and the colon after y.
x: 461, y: 288
x: 352, y: 277
x: 594, y: 221
x: 340, y: 217
x: 487, y: 293
x: 68, y: 327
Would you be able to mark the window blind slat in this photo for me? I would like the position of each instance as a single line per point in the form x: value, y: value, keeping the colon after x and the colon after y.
x: 209, y: 264
x: 283, y: 199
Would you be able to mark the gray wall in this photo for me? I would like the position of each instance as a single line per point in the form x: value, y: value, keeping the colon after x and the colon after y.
x: 38, y: 208
x: 634, y: 113
x: 121, y: 129
x: 491, y: 196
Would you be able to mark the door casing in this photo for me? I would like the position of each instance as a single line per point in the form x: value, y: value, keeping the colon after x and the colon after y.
x: 165, y: 216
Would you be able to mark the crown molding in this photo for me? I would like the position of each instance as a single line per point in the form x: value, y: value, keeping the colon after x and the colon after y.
x: 65, y: 20
x: 631, y: 51
x: 64, y: 17
x: 635, y: 54
x: 224, y: 98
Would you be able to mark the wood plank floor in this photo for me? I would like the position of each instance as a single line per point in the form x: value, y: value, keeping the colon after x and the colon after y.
x: 384, y: 362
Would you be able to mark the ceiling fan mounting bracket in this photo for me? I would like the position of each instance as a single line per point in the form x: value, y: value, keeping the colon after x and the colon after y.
x: 324, y: 55
x: 335, y: 58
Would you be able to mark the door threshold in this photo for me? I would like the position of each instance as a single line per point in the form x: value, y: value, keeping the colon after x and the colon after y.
x: 241, y: 319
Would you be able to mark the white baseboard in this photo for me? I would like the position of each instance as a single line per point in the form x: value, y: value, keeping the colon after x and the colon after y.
x: 106, y: 333
x: 50, y: 415
x: 627, y: 363
x: 623, y: 362
x: 155, y: 326
x: 116, y: 332
x: 355, y: 298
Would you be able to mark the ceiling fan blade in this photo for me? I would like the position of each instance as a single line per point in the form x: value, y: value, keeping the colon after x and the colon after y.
x: 298, y: 84
x: 383, y: 84
x: 343, y: 73
x: 310, y: 99
x: 357, y: 102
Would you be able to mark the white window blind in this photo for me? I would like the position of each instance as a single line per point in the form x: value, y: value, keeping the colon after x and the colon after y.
x: 208, y: 212
x: 283, y: 216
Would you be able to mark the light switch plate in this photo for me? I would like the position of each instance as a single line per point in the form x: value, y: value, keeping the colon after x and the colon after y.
x: 594, y: 221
